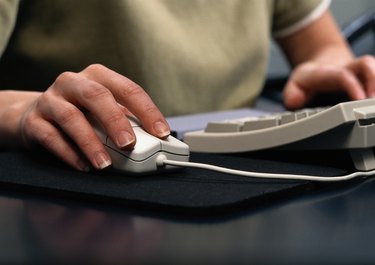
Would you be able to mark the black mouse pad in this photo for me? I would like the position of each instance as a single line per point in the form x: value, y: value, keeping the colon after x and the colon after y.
x: 187, y: 190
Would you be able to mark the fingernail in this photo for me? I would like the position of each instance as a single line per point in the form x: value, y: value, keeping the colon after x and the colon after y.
x: 161, y: 129
x: 124, y: 138
x: 102, y: 160
x: 83, y: 166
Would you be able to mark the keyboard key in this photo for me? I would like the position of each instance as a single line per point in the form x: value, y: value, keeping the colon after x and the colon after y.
x: 261, y: 123
x: 287, y: 117
x: 221, y: 127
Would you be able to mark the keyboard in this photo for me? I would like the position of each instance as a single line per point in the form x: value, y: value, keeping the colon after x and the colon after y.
x: 347, y: 125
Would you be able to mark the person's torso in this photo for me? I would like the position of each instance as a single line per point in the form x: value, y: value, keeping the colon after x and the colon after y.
x: 190, y: 56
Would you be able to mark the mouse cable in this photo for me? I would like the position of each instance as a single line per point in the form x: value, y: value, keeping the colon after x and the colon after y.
x: 163, y: 161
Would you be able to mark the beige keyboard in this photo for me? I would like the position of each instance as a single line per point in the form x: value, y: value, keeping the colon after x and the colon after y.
x: 347, y: 125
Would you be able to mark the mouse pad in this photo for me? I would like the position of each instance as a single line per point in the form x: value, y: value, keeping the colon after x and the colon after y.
x: 186, y: 190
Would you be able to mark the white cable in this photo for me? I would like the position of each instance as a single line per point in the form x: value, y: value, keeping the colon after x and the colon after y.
x: 162, y: 160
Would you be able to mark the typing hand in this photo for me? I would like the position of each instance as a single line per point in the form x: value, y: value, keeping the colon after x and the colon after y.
x: 356, y: 79
x: 56, y: 118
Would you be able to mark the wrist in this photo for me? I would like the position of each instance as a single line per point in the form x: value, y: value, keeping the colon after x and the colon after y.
x: 13, y: 105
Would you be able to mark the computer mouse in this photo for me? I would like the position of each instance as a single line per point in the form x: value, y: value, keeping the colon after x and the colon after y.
x: 143, y: 158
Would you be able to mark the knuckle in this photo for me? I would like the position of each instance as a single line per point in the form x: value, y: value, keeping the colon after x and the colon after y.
x: 45, y: 99
x: 48, y: 139
x: 368, y: 63
x: 150, y: 108
x: 93, y: 91
x: 67, y: 115
x: 115, y: 117
x: 94, y: 68
x: 65, y: 77
x: 367, y: 59
x: 131, y: 89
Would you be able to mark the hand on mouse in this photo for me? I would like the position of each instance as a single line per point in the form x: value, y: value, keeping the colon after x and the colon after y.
x: 55, y: 119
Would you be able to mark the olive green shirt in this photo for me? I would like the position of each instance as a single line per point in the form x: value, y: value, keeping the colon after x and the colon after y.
x: 189, y: 55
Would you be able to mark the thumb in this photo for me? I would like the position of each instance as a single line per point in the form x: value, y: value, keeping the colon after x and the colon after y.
x: 294, y: 96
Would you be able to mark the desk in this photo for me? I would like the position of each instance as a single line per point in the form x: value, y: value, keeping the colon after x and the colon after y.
x: 331, y: 225
x: 334, y: 226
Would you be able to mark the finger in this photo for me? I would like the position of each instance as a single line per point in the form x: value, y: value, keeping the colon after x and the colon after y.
x: 126, y: 111
x: 48, y: 136
x: 349, y: 82
x: 133, y: 97
x: 294, y: 96
x: 314, y: 79
x: 364, y: 68
x: 99, y: 101
x: 75, y: 125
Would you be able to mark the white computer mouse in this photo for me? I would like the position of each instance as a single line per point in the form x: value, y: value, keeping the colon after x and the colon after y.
x: 143, y: 158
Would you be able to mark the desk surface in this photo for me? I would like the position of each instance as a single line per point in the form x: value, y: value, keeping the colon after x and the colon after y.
x: 332, y: 225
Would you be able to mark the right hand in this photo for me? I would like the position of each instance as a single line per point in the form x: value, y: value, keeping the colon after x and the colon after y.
x: 56, y: 119
x: 356, y: 78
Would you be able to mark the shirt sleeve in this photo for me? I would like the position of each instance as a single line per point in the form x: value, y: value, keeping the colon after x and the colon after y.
x: 290, y: 16
x: 8, y: 15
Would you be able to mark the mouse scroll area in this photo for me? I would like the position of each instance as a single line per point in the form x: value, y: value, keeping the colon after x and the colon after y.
x: 143, y: 158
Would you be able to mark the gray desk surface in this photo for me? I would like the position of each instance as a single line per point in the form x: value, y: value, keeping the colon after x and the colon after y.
x: 334, y: 226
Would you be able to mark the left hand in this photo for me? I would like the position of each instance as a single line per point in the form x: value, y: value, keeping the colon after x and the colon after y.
x: 356, y: 79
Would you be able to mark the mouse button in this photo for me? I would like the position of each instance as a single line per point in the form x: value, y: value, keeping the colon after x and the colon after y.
x: 175, y: 146
x: 146, y: 146
x: 134, y: 121
x: 100, y: 133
